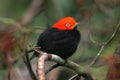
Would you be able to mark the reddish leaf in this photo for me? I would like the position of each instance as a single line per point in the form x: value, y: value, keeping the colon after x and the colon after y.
x: 7, y: 42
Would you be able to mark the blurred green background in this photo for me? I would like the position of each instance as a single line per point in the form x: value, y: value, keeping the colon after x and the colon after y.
x: 97, y: 18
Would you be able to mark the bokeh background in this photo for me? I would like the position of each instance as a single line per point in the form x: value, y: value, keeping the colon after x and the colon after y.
x: 98, y: 19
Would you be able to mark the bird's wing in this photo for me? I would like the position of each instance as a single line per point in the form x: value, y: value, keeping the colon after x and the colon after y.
x: 62, y: 39
x: 53, y: 41
x: 44, y: 37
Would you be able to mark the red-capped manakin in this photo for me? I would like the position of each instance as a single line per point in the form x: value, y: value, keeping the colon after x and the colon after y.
x: 61, y: 39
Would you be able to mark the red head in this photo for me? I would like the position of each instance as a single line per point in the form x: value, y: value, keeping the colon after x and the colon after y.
x: 66, y: 23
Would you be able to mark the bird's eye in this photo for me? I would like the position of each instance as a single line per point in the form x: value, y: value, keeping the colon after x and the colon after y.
x: 68, y: 25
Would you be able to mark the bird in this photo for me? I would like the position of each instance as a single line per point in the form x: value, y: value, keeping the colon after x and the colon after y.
x: 61, y: 39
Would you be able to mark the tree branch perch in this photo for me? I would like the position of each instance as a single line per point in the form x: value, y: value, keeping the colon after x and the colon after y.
x: 82, y: 71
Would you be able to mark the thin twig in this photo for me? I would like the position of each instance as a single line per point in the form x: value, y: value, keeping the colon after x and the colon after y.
x: 30, y: 68
x: 105, y: 44
x: 93, y: 41
x: 73, y: 77
x: 100, y: 4
x: 51, y: 68
x: 27, y: 63
x: 26, y: 58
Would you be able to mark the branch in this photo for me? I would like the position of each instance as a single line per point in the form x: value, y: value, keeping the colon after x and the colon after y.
x: 117, y: 52
x: 73, y: 77
x: 105, y: 44
x: 51, y: 68
x: 26, y: 59
x: 41, y: 66
x: 100, y: 4
x: 93, y: 41
x: 34, y: 8
x: 82, y: 71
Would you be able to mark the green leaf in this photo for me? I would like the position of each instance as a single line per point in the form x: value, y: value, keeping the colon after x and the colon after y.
x: 9, y: 21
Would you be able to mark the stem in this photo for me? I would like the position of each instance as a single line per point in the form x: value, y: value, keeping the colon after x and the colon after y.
x: 105, y: 44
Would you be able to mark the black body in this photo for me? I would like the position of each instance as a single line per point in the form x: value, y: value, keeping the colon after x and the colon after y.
x: 60, y: 42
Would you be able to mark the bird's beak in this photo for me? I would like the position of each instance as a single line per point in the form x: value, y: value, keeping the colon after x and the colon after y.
x: 78, y: 23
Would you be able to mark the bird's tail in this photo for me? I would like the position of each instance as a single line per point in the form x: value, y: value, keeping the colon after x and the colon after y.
x: 35, y: 54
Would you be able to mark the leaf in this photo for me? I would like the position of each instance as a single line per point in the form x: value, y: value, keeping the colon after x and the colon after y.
x: 32, y: 29
x: 8, y: 42
x: 9, y: 21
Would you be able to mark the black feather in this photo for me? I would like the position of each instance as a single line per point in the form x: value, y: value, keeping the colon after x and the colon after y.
x: 60, y: 42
